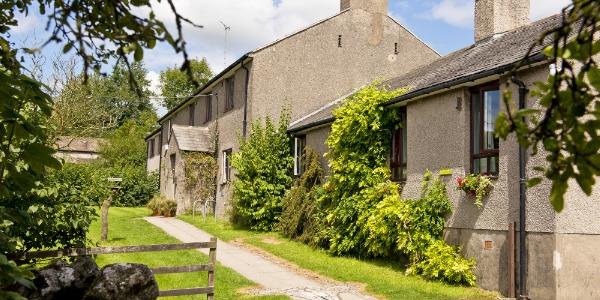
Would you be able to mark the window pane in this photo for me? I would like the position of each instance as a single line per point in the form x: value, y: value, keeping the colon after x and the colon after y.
x: 476, y: 166
x: 491, y: 110
x: 476, y: 117
x: 493, y: 165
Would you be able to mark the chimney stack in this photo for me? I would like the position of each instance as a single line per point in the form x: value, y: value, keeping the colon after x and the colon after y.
x: 372, y: 6
x: 497, y: 16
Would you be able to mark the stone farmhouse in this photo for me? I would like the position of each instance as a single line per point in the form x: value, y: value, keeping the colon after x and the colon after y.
x: 449, y: 117
x: 300, y: 72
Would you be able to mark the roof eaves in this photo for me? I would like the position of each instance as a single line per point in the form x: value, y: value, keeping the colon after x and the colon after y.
x: 311, y: 125
x: 536, y: 58
x: 202, y: 88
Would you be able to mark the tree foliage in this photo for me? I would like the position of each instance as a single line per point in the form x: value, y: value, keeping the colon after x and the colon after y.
x: 264, y: 167
x: 567, y: 123
x: 96, y: 32
x: 103, y: 104
x: 175, y: 85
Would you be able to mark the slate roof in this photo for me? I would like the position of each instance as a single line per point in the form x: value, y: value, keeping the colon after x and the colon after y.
x: 191, y: 138
x: 78, y: 144
x: 487, y: 57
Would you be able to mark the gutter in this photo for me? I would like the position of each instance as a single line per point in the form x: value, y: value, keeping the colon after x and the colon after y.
x: 311, y: 125
x: 209, y: 83
x: 152, y: 134
x: 245, y: 125
x: 523, y: 91
x: 538, y: 57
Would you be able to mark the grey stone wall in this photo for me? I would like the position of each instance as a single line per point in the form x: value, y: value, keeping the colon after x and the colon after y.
x: 307, y: 70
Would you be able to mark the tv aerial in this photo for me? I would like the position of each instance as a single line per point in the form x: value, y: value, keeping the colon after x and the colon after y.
x: 227, y: 29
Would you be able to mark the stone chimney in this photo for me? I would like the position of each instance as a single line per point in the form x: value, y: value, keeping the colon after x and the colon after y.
x: 378, y: 9
x: 498, y: 16
x: 372, y: 6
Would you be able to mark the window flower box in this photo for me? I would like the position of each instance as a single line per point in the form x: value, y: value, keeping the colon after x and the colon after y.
x: 475, y: 185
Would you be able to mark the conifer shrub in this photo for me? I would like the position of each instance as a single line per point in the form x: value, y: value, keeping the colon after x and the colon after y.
x: 299, y: 218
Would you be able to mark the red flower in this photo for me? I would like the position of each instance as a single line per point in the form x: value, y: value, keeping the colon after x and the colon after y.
x: 459, y: 181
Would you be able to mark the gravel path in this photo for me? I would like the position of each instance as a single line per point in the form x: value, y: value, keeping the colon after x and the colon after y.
x: 271, y: 274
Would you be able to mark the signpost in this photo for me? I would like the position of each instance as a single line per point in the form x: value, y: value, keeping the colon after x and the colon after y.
x: 106, y: 205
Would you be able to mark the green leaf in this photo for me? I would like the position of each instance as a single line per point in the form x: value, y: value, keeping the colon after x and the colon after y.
x: 594, y: 78
x: 557, y: 193
x: 534, y: 181
x: 138, y: 54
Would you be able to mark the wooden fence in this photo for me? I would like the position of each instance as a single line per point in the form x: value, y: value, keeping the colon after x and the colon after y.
x: 210, y: 267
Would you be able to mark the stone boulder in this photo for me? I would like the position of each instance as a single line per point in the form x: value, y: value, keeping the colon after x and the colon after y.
x: 123, y: 281
x: 60, y: 280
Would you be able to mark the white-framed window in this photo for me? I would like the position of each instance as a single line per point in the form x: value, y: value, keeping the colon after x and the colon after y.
x: 226, y: 177
x: 299, y: 145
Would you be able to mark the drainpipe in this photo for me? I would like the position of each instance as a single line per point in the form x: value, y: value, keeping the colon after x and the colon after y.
x: 523, y: 90
x: 245, y: 125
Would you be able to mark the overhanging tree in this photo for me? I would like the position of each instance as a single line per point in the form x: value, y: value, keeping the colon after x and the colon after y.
x: 96, y: 32
x: 567, y: 124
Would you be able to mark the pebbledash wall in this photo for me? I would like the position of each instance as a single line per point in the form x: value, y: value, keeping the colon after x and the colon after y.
x: 300, y: 73
x: 562, y: 248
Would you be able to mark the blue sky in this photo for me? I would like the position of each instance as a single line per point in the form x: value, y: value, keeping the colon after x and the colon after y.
x: 446, y: 25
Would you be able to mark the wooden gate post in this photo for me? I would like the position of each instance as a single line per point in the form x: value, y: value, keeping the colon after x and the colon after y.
x: 105, y: 206
x: 212, y: 259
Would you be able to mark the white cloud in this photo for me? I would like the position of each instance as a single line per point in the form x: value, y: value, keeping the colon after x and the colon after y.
x: 154, y: 79
x: 26, y: 24
x: 253, y: 24
x: 460, y: 13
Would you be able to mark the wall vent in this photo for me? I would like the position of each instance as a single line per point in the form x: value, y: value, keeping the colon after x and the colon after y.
x: 340, y: 41
x: 396, y: 48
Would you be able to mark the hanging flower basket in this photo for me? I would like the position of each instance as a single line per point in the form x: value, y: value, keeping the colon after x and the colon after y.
x: 475, y: 185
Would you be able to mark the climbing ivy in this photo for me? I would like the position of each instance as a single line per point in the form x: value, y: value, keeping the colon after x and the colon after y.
x: 363, y: 212
x: 200, y: 172
x: 359, y: 142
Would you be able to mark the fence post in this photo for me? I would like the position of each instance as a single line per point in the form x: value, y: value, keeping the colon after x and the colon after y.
x: 105, y: 206
x: 212, y: 257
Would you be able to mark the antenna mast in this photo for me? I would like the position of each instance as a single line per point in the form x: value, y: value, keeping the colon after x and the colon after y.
x: 227, y: 28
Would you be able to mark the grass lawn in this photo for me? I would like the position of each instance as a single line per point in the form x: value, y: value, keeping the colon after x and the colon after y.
x: 126, y: 227
x: 383, y: 278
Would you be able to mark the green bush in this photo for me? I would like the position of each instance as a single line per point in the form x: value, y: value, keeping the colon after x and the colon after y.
x: 88, y: 184
x: 161, y: 206
x: 137, y: 187
x: 414, y: 228
x: 299, y: 219
x: 443, y: 262
x: 264, y: 166
x: 43, y: 219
